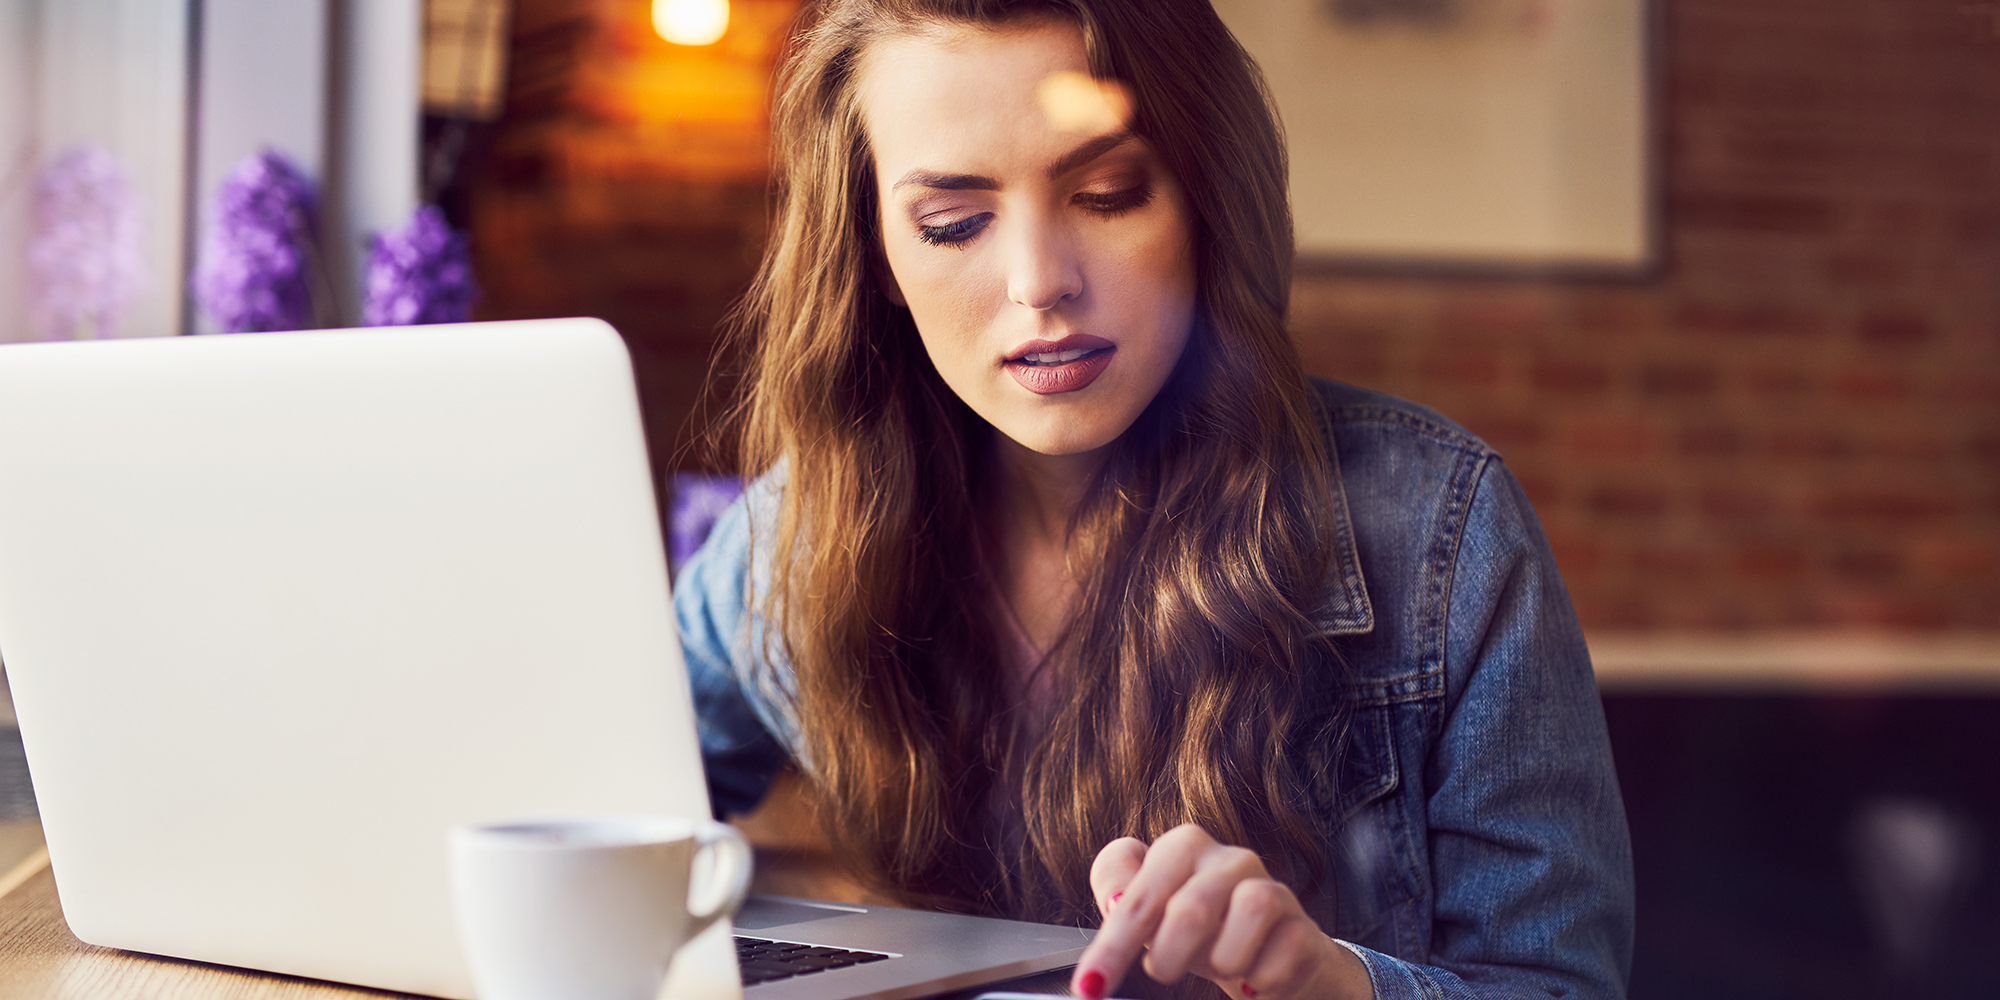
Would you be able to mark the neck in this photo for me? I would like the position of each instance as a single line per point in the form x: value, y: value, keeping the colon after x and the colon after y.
x: 1040, y: 493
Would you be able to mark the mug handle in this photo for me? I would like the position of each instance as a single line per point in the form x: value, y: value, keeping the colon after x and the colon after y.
x: 729, y: 871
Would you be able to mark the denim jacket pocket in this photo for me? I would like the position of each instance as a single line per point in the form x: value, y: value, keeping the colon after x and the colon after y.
x: 1376, y: 857
x: 1364, y: 858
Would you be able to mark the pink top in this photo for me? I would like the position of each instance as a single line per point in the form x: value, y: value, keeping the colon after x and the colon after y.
x: 1025, y: 677
x: 1032, y: 690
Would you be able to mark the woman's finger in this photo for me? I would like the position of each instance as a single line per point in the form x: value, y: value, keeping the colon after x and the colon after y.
x: 1114, y: 867
x: 1136, y: 914
x: 1293, y: 952
x: 1196, y: 912
x: 1256, y: 907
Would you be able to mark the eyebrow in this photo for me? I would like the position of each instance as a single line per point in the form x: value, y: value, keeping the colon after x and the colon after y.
x: 1065, y: 163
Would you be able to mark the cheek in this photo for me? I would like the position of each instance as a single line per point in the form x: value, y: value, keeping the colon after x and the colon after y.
x: 942, y: 290
x: 1158, y: 280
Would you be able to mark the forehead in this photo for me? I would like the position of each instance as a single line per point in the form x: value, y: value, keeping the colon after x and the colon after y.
x: 960, y: 96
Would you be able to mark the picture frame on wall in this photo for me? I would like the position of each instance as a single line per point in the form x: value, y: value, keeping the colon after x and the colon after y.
x: 1501, y: 136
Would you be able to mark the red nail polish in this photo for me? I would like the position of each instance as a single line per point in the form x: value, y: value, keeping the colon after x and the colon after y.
x: 1116, y: 896
x: 1091, y: 985
x: 1247, y: 991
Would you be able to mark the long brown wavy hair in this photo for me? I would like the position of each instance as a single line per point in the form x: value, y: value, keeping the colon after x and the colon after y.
x: 1201, y: 549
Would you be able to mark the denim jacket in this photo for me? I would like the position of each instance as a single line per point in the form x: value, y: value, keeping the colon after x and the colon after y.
x: 1481, y: 847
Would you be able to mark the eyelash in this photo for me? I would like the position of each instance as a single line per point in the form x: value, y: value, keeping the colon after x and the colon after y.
x: 1118, y: 203
x: 958, y: 234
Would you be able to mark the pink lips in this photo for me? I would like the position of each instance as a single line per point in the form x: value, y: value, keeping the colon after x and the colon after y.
x: 1047, y: 380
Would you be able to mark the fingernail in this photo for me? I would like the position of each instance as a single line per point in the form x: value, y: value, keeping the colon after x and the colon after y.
x: 1247, y: 991
x: 1091, y: 985
x: 1116, y: 896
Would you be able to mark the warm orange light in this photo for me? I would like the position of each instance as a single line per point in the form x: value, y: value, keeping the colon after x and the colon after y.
x: 691, y: 22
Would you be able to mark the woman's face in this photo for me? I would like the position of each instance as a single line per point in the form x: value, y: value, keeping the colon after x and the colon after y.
x: 1044, y: 252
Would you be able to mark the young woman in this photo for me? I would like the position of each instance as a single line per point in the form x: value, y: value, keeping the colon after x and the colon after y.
x: 1074, y: 599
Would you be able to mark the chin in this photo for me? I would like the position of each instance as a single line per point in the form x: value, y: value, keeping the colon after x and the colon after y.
x: 1061, y: 441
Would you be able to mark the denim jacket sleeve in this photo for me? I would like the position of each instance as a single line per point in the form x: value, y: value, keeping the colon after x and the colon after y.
x: 739, y: 726
x: 1509, y: 867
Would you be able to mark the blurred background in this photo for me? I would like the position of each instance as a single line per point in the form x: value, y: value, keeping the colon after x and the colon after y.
x: 1719, y: 278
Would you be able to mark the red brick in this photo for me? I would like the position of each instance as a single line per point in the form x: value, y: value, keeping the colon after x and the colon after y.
x: 1711, y: 441
x: 1459, y: 368
x: 1737, y: 504
x: 1578, y: 556
x: 1506, y: 315
x: 1765, y: 151
x: 1762, y: 320
x: 1506, y: 433
x: 1977, y: 227
x: 1354, y: 365
x: 1613, y: 441
x: 1904, y: 506
x: 1687, y: 381
x: 1870, y: 386
x: 1894, y: 223
x: 1752, y: 213
x: 1876, y: 608
x: 1959, y: 558
x: 1819, y: 443
x: 1783, y: 383
x: 1620, y: 312
x: 1571, y: 378
x: 1924, y: 446
x: 1768, y: 562
x: 1544, y: 492
x: 1599, y: 610
x: 1866, y: 270
x: 1682, y: 562
x: 1629, y: 501
x: 1784, y: 91
x: 1872, y: 564
x: 1978, y: 387
x: 1896, y: 329
x: 1962, y: 168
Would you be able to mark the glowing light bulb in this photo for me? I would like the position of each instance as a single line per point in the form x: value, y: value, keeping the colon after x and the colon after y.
x: 691, y: 22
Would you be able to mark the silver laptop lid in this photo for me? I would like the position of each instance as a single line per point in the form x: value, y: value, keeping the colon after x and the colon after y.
x: 279, y: 608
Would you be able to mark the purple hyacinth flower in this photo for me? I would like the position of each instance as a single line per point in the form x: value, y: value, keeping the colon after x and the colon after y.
x: 84, y: 258
x: 257, y: 263
x: 698, y: 501
x: 422, y: 274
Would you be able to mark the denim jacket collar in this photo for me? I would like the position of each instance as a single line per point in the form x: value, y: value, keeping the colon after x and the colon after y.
x: 1344, y: 608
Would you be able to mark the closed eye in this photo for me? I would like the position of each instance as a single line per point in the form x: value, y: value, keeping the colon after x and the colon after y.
x: 955, y: 234
x: 1117, y: 203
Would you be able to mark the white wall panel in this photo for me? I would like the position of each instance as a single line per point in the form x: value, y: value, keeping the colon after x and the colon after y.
x: 18, y: 156
x: 114, y: 73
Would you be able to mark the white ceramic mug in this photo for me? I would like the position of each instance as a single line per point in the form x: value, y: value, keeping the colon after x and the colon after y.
x: 590, y: 909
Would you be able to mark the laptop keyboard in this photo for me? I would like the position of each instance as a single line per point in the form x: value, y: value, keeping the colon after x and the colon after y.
x: 766, y: 961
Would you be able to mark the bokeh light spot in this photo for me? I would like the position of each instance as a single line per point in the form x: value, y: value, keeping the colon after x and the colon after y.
x: 691, y: 22
x: 1076, y: 102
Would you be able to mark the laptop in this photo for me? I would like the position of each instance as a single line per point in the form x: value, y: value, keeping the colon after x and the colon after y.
x: 279, y: 609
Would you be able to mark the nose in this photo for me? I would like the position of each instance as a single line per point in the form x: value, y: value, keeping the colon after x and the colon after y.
x: 1043, y: 269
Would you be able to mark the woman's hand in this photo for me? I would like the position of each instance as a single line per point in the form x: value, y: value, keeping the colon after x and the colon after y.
x: 1194, y: 905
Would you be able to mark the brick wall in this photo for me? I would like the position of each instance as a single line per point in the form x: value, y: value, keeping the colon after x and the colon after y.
x: 627, y: 180
x: 1796, y: 424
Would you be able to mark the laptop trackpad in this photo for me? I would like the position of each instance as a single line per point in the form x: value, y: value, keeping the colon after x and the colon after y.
x: 760, y: 912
